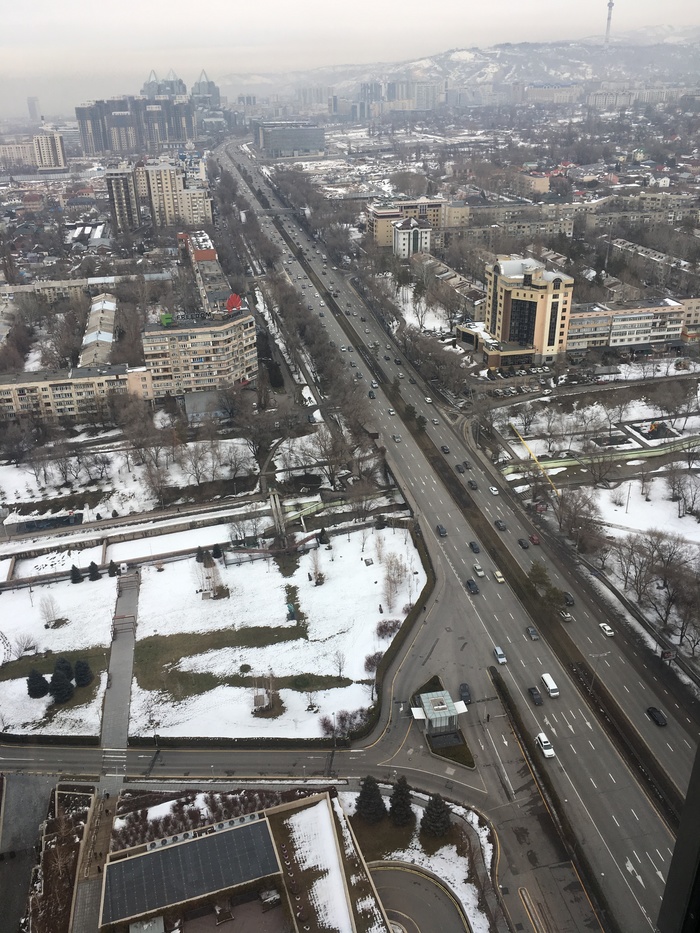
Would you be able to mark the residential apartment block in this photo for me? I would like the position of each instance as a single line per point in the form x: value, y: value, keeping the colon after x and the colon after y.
x: 49, y: 395
x: 45, y: 151
x: 174, y: 195
x: 123, y: 197
x: 527, y: 306
x: 131, y: 125
x: 195, y: 356
x: 642, y: 326
x: 381, y: 216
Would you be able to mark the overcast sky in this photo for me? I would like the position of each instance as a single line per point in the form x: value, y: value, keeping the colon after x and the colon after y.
x: 66, y: 53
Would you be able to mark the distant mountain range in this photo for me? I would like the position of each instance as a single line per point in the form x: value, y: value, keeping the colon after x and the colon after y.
x: 655, y: 54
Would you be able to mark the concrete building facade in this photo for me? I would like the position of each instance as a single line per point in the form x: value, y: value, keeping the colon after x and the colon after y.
x: 410, y: 236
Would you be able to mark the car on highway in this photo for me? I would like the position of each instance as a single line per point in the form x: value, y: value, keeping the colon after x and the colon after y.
x: 396, y: 438
x: 536, y: 695
x: 474, y: 545
x: 493, y: 490
x: 459, y: 468
x: 372, y: 394
x: 478, y: 570
x: 435, y: 421
x: 387, y: 358
x: 467, y: 465
x: 472, y: 484
x: 465, y: 693
x: 351, y: 349
x: 472, y: 587
x: 533, y: 633
x: 375, y: 385
x: 428, y: 400
x: 412, y: 380
x: 605, y: 629
x: 524, y: 544
x: 534, y: 538
x: 401, y: 375
x: 444, y: 448
x: 655, y: 714
x: 544, y: 744
x: 441, y: 530
x: 568, y: 599
x: 498, y: 576
x: 500, y: 524
x: 391, y: 411
x: 499, y: 655
x: 343, y: 349
x: 397, y: 360
x: 566, y: 615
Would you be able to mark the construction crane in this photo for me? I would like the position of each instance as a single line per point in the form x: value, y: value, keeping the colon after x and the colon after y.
x: 611, y: 4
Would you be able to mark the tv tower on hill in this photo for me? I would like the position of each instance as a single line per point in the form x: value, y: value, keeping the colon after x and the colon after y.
x: 611, y: 4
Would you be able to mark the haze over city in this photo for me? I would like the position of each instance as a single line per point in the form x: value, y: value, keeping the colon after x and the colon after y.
x: 70, y: 53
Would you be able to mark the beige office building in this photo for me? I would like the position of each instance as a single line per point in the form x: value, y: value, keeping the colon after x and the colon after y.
x: 527, y: 307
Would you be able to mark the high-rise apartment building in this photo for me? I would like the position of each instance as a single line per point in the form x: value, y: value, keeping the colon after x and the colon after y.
x: 175, y: 199
x: 527, y: 306
x: 49, y: 152
x: 33, y: 108
x: 205, y: 93
x: 123, y: 197
x: 132, y: 125
x: 170, y: 86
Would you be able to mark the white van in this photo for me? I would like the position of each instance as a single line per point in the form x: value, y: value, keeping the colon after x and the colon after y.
x: 549, y: 685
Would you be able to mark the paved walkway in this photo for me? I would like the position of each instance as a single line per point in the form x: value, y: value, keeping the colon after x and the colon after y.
x: 115, y: 729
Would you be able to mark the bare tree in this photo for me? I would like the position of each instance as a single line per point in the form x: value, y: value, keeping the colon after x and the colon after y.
x: 194, y: 460
x: 339, y: 662
x: 49, y: 610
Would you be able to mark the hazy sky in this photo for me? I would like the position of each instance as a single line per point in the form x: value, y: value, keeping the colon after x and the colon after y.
x: 65, y: 53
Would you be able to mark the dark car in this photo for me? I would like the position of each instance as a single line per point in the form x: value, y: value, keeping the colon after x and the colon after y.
x: 397, y: 360
x: 459, y: 468
x: 568, y: 599
x: 472, y: 484
x: 412, y: 380
x: 472, y: 587
x: 371, y: 394
x: 442, y: 531
x: 655, y: 714
x: 387, y: 358
x: 475, y: 547
x: 465, y: 693
x: 467, y: 465
x: 445, y: 449
x: 533, y: 633
x: 536, y: 695
x: 500, y: 524
x: 524, y: 543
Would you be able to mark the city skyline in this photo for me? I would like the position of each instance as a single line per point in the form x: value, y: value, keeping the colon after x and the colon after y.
x: 67, y: 55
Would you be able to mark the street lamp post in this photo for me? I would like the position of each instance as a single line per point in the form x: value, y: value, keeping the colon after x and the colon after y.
x: 595, y: 668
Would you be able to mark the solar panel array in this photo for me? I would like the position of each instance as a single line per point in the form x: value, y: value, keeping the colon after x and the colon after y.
x: 181, y: 872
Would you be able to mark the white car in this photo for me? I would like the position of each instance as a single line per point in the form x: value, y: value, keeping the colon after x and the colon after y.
x: 493, y: 490
x: 478, y: 570
x: 343, y: 349
x: 605, y: 629
x: 428, y: 400
x: 544, y: 743
x: 391, y: 411
x: 498, y: 576
x: 435, y: 421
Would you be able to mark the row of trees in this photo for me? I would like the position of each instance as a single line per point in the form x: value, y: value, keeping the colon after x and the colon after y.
x: 435, y: 821
x: 63, y: 681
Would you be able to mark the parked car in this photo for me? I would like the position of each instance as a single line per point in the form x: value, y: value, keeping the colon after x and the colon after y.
x: 500, y: 524
x: 465, y: 693
x: 472, y: 587
x: 533, y: 633
x: 536, y: 695
x: 544, y: 744
x: 475, y: 547
x: 523, y: 542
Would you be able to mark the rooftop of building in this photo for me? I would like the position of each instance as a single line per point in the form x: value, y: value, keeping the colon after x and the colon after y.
x: 646, y: 304
x: 515, y: 267
x: 183, y: 325
x: 411, y: 223
x: 64, y: 375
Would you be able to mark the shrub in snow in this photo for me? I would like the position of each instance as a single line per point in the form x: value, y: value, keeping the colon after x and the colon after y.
x: 370, y: 803
x: 216, y: 552
x: 83, y: 674
x: 200, y: 556
x: 60, y: 688
x: 65, y: 667
x: 112, y: 569
x: 37, y: 684
x: 93, y: 572
x: 436, y: 817
x: 400, y: 809
x: 75, y: 575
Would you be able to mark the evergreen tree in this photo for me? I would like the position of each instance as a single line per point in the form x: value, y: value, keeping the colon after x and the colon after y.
x: 200, y: 556
x: 75, y: 575
x: 83, y: 674
x: 93, y: 572
x: 370, y: 803
x: 60, y: 688
x: 37, y: 684
x: 436, y: 817
x: 112, y: 570
x: 216, y: 551
x: 64, y: 665
x: 400, y: 810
